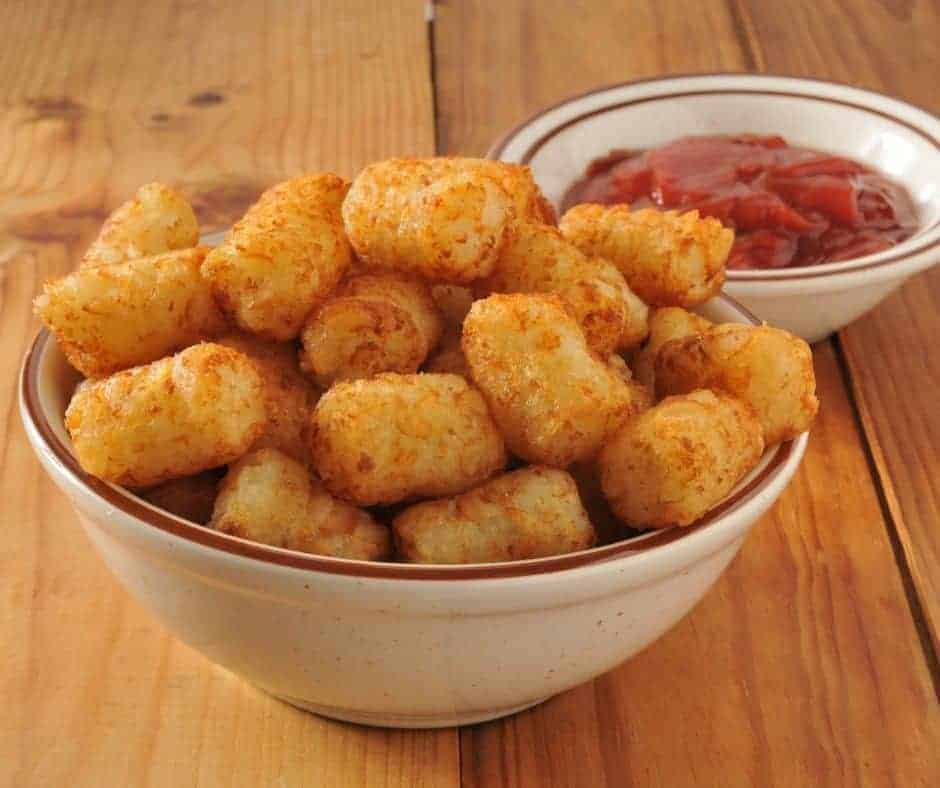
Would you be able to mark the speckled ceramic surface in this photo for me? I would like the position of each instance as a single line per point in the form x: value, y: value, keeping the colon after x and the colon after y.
x: 894, y: 137
x: 389, y: 644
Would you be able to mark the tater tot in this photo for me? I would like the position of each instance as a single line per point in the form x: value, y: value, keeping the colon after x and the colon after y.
x: 283, y: 257
x: 667, y: 258
x: 768, y: 368
x: 538, y: 259
x: 554, y: 400
x: 666, y: 323
x: 448, y: 357
x: 530, y: 513
x: 189, y: 497
x: 271, y: 498
x: 444, y: 226
x: 585, y: 474
x: 382, y: 322
x: 158, y: 219
x: 289, y: 397
x: 393, y: 437
x: 643, y: 396
x: 199, y: 409
x: 529, y: 202
x: 453, y: 302
x: 110, y: 317
x: 672, y: 464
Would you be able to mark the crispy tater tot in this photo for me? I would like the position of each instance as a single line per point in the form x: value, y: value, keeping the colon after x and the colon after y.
x: 528, y: 200
x: 283, y: 257
x: 667, y: 258
x: 672, y: 464
x: 554, y: 400
x: 448, y: 357
x: 666, y: 323
x: 643, y: 396
x: 538, y: 259
x: 199, y: 409
x: 585, y: 474
x: 189, y: 497
x: 453, y: 302
x: 530, y: 513
x: 289, y: 397
x: 158, y: 219
x: 271, y: 498
x: 393, y: 437
x: 382, y: 322
x: 111, y: 317
x: 768, y: 368
x: 444, y: 226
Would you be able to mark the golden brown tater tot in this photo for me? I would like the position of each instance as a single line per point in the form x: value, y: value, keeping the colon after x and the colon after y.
x: 381, y: 322
x: 271, y: 498
x: 529, y: 513
x: 537, y: 259
x: 393, y: 437
x: 554, y: 400
x: 110, y: 317
x: 444, y: 226
x: 158, y: 219
x: 453, y: 302
x: 517, y: 180
x: 666, y: 323
x: 768, y: 368
x: 283, y: 257
x: 674, y: 462
x: 199, y: 409
x: 289, y: 397
x: 667, y: 258
x: 448, y: 357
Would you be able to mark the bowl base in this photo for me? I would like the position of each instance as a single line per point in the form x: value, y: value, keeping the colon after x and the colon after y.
x: 384, y: 720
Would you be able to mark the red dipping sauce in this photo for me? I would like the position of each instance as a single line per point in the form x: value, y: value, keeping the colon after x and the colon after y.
x: 788, y: 206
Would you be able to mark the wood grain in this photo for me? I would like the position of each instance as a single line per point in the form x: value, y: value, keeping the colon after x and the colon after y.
x: 803, y: 666
x: 491, y: 74
x: 891, y: 353
x: 895, y: 368
x: 95, y: 99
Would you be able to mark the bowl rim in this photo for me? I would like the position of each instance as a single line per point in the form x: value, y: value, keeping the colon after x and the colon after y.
x: 786, y: 456
x: 927, y: 238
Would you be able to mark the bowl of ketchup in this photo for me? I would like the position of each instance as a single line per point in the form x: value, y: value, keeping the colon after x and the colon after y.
x: 833, y: 192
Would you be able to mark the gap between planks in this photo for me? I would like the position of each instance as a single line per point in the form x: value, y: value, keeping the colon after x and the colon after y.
x: 891, y: 514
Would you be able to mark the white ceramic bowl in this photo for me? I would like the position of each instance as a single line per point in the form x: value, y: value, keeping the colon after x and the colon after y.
x: 894, y: 137
x: 392, y: 644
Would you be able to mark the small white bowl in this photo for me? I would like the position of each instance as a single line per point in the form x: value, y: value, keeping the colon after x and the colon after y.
x: 393, y: 644
x: 892, y: 136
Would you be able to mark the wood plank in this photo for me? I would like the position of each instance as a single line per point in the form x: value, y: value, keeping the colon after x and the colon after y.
x: 891, y: 352
x: 488, y: 76
x: 95, y: 99
x: 895, y: 373
x: 803, y: 666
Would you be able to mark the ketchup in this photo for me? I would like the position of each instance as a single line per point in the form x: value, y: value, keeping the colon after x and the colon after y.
x: 788, y: 206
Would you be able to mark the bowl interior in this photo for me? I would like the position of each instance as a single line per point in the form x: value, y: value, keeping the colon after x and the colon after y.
x: 48, y: 382
x: 899, y: 140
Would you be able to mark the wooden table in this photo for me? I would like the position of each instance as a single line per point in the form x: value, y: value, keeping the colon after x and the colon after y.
x: 814, y: 659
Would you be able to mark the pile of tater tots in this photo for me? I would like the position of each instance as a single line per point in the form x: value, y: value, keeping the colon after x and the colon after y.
x: 421, y: 365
